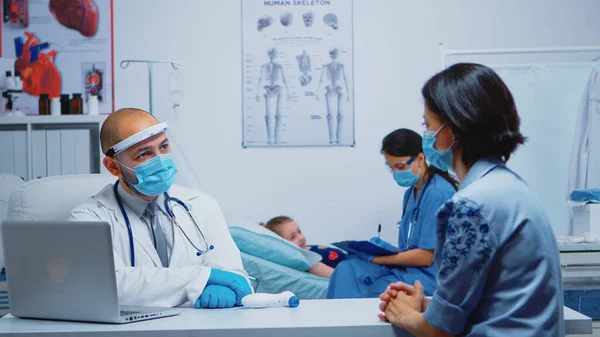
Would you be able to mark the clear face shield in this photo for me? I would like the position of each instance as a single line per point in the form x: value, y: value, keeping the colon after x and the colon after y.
x: 186, y: 175
x: 167, y: 155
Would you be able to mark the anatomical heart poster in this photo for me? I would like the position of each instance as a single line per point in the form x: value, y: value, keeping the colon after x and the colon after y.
x: 59, y: 47
x: 298, y: 73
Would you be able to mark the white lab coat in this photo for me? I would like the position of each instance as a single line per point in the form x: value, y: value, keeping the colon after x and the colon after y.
x: 584, y: 167
x: 148, y: 283
x: 584, y: 164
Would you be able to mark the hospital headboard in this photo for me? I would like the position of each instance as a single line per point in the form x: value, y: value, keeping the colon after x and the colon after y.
x: 53, y: 198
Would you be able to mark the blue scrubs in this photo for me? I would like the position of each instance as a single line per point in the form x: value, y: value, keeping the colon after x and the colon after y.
x: 355, y: 278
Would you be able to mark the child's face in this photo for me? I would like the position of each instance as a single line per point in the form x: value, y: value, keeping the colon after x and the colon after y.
x: 291, y: 232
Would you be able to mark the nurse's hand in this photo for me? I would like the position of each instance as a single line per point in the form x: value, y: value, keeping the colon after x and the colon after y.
x: 215, y: 296
x: 233, y: 281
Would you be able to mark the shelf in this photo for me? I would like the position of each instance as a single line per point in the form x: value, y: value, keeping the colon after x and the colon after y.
x: 79, y: 134
x: 63, y: 119
x: 578, y: 247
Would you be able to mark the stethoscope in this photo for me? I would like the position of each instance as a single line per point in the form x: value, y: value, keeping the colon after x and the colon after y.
x: 169, y: 210
x: 414, y: 214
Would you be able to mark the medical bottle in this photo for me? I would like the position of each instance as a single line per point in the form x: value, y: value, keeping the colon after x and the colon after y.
x: 76, y: 105
x: 65, y: 105
x: 93, y: 105
x: 44, y: 104
x: 55, y: 106
x: 9, y: 82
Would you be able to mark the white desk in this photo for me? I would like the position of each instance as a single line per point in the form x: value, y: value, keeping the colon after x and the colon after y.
x: 346, y: 318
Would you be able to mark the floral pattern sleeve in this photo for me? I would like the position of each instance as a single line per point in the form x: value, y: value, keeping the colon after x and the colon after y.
x: 465, y: 244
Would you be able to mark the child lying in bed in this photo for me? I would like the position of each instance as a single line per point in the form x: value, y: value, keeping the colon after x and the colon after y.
x: 287, y: 228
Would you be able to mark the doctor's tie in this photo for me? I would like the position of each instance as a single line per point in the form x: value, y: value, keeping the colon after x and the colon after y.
x: 160, y: 242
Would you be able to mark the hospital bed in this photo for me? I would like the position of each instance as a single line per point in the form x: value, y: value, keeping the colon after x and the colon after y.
x: 275, y: 264
x: 271, y: 277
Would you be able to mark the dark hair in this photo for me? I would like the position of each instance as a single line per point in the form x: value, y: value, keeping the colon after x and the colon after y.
x: 407, y: 143
x: 402, y: 143
x: 276, y: 222
x: 479, y: 109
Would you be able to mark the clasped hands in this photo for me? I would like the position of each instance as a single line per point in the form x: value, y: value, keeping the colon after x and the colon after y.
x: 400, y: 302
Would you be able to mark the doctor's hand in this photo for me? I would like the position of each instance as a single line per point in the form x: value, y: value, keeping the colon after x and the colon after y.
x: 402, y: 297
x: 233, y: 281
x: 215, y: 296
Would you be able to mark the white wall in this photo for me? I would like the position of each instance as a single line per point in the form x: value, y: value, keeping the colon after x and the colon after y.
x: 335, y: 193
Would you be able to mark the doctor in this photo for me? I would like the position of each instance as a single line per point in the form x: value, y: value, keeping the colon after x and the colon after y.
x: 164, y: 255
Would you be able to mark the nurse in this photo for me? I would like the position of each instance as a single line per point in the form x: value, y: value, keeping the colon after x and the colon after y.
x: 428, y: 189
x: 496, y: 256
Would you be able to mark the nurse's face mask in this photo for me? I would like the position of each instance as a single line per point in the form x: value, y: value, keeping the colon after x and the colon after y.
x: 147, y: 166
x: 406, y: 172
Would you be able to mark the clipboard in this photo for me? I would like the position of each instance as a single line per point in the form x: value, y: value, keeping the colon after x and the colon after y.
x: 363, y: 246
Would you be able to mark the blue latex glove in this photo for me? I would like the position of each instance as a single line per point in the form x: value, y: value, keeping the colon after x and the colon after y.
x: 233, y: 281
x: 360, y: 255
x: 383, y: 244
x: 215, y: 296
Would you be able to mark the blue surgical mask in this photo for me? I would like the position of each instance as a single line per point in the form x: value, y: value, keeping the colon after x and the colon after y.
x: 406, y: 178
x: 443, y: 160
x: 155, y: 176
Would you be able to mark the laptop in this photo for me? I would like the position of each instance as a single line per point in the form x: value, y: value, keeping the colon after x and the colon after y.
x: 64, y: 270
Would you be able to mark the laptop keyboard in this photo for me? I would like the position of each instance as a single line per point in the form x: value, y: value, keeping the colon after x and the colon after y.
x: 127, y: 312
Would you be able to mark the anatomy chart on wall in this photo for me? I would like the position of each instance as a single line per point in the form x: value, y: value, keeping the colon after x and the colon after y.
x: 59, y: 47
x: 297, y: 59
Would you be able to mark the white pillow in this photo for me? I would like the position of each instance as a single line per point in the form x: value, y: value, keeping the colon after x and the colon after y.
x: 265, y: 235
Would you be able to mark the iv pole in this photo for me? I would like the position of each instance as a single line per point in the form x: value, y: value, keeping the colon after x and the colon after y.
x: 125, y: 63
